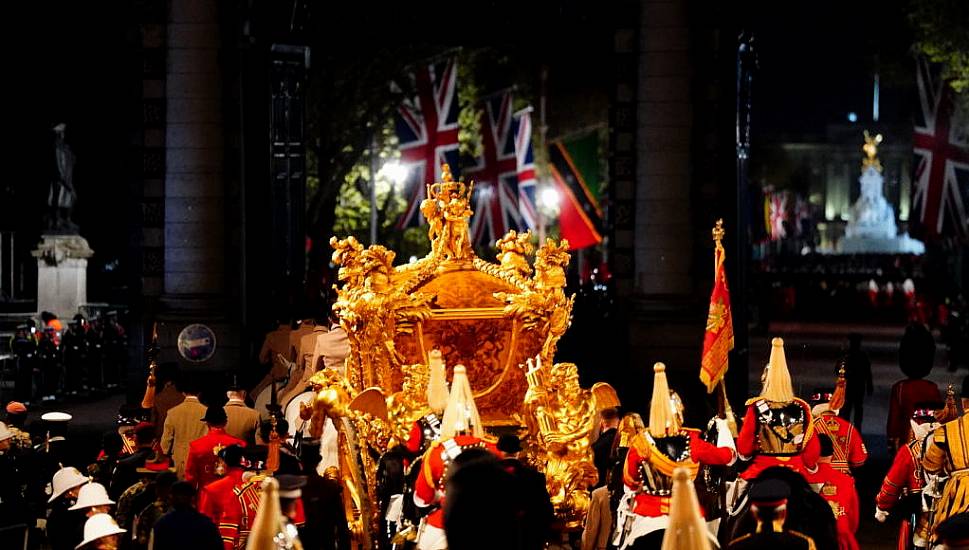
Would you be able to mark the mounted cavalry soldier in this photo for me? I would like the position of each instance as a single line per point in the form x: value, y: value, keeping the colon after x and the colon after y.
x: 901, y: 491
x: 947, y: 454
x: 461, y: 430
x: 652, y: 458
x: 400, y: 466
x: 778, y: 428
x: 849, y: 449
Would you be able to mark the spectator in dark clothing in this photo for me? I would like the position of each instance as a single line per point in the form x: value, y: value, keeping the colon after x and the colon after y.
x: 483, y: 505
x: 13, y: 509
x: 602, y: 447
x: 326, y: 525
x: 126, y: 472
x: 858, y: 381
x: 537, y: 514
x: 185, y: 528
x: 102, y: 471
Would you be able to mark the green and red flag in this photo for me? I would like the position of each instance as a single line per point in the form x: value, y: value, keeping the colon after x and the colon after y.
x: 574, y: 167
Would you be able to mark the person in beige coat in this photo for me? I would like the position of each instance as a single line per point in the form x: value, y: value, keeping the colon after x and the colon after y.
x: 183, y: 425
x: 598, y: 522
x: 243, y: 420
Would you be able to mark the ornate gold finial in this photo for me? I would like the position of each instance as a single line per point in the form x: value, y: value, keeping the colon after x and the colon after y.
x: 512, y: 250
x: 718, y: 231
x: 448, y: 213
x: 871, y: 151
x: 552, y: 255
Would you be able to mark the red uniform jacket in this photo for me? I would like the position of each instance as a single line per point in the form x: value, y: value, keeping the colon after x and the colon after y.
x: 216, y: 497
x: 747, y: 446
x: 640, y: 451
x: 200, y: 466
x: 429, y: 487
x: 238, y: 509
x: 905, y: 394
x: 904, y: 477
x: 849, y: 449
x: 839, y: 490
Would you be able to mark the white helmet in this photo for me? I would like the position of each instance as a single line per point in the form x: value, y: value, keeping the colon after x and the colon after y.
x: 98, y: 526
x: 92, y: 494
x: 64, y: 480
x: 5, y: 432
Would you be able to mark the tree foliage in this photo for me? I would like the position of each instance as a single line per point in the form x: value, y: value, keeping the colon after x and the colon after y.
x: 942, y: 34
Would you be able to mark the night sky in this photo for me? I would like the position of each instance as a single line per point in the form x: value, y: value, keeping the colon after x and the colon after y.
x: 816, y: 62
x: 68, y: 63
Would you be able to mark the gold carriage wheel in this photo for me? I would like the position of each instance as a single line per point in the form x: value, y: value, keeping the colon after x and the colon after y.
x: 356, y: 498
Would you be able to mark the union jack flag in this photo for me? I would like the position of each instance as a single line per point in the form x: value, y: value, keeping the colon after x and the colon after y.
x: 527, y: 184
x: 495, y: 173
x: 427, y: 128
x: 940, y: 187
x: 776, y: 214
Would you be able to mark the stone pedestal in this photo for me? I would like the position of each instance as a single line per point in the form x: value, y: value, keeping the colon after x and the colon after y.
x: 62, y: 274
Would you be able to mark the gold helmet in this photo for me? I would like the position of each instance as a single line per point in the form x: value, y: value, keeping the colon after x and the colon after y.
x: 664, y: 416
x: 461, y: 414
x: 629, y: 427
x: 777, y: 380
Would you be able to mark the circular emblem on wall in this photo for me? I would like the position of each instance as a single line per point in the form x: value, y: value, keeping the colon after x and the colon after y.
x: 196, y: 343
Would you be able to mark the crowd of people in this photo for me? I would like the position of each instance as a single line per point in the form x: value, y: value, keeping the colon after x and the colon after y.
x: 208, y: 475
x: 51, y: 360
x: 193, y: 479
x: 787, y: 476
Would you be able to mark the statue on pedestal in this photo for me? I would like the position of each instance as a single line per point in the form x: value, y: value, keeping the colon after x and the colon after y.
x: 62, y: 195
x: 871, y: 216
x: 872, y: 229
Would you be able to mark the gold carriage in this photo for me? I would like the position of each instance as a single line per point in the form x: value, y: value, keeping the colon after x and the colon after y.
x: 501, y: 320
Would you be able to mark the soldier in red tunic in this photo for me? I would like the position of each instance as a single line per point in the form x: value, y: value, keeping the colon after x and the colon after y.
x: 916, y: 353
x: 461, y: 429
x: 218, y: 496
x: 902, y: 488
x: 778, y: 428
x: 849, y: 448
x: 655, y: 454
x: 203, y: 464
x: 839, y: 490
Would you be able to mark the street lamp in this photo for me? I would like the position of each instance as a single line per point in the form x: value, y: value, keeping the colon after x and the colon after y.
x: 393, y: 171
x: 549, y: 197
x: 548, y: 201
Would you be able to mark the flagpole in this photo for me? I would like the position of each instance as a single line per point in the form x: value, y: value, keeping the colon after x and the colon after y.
x: 542, y: 133
x: 718, y: 255
x: 373, y: 188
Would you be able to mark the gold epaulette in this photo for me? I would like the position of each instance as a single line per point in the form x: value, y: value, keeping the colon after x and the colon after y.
x: 740, y: 538
x: 809, y: 540
x: 752, y: 400
x: 641, y: 445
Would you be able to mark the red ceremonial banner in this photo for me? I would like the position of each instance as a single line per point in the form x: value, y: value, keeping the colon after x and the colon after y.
x: 718, y: 339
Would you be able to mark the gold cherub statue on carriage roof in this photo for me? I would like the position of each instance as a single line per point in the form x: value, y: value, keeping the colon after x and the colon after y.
x: 501, y: 320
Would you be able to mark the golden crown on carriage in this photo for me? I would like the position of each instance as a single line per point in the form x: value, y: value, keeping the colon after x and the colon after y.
x: 501, y: 320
